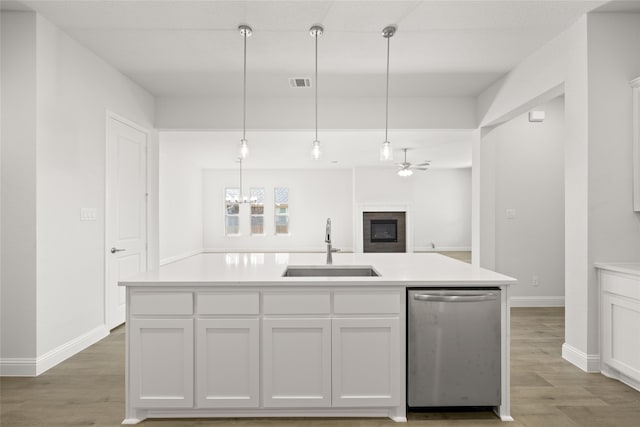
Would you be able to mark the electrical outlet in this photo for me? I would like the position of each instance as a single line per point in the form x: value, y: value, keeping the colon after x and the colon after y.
x: 536, y: 281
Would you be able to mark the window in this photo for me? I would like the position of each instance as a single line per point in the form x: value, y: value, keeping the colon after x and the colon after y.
x: 257, y: 210
x: 232, y: 211
x: 282, y: 210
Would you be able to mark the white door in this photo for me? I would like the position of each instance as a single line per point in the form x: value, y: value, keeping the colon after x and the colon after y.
x: 297, y: 362
x: 227, y: 363
x: 126, y: 212
x: 366, y: 366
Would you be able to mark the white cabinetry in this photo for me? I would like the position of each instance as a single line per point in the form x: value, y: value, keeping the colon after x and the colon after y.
x: 228, y: 350
x: 365, y: 362
x: 227, y: 363
x: 297, y: 362
x: 619, y: 320
x: 161, y: 350
x: 367, y: 369
x: 324, y: 351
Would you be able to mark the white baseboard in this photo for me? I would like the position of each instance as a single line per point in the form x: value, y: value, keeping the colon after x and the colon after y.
x: 442, y: 249
x: 584, y: 361
x: 303, y: 249
x: 541, y: 301
x: 181, y: 256
x: 29, y: 367
x: 18, y: 367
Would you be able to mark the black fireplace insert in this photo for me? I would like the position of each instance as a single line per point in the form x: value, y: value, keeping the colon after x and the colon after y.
x: 384, y: 230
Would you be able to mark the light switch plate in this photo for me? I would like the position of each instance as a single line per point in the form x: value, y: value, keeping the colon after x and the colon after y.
x: 511, y: 213
x: 88, y: 214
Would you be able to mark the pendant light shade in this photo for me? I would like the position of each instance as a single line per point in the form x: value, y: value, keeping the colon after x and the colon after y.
x: 315, y: 32
x: 386, y: 152
x: 245, y: 31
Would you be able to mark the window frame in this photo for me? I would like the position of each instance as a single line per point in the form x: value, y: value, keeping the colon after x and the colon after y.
x: 226, y: 204
x: 277, y: 215
x: 252, y: 215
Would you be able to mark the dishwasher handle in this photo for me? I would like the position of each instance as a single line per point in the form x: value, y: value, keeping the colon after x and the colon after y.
x: 489, y: 296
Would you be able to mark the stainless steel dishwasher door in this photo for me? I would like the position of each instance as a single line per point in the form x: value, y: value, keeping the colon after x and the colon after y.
x: 453, y: 347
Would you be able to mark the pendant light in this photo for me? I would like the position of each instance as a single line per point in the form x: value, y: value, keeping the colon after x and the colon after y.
x: 245, y: 31
x: 386, y: 152
x: 315, y: 32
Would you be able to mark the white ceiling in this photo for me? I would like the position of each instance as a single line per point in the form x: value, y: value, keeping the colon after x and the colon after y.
x: 193, y: 48
x: 187, y: 47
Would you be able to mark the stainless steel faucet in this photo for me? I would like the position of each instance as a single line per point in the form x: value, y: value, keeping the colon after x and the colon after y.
x: 327, y: 240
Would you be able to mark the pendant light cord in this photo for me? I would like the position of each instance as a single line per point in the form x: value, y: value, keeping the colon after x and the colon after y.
x: 386, y: 123
x: 244, y: 90
x: 316, y: 84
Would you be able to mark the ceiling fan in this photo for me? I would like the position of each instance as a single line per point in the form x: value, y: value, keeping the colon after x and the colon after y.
x: 406, y: 168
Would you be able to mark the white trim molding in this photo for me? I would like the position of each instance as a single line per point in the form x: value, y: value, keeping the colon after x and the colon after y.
x: 30, y: 367
x: 584, y: 361
x: 537, y: 301
x: 442, y: 249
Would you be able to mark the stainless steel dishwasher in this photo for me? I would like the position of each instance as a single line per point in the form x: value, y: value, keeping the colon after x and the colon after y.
x: 453, y: 347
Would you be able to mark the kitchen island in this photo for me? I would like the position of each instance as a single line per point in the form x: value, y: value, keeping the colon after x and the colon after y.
x: 228, y: 335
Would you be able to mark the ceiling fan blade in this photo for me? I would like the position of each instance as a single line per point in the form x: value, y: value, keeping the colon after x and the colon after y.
x: 425, y: 163
x: 421, y: 169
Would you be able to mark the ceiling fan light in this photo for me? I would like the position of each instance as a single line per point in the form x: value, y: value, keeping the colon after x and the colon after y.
x: 244, y: 148
x: 315, y: 150
x: 386, y: 152
x: 405, y: 172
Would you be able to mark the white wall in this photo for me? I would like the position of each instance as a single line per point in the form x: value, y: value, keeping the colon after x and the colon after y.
x: 528, y: 177
x: 297, y: 113
x: 181, y: 210
x: 18, y: 269
x: 75, y: 89
x: 314, y: 196
x: 439, y: 201
x: 613, y: 61
x: 594, y: 61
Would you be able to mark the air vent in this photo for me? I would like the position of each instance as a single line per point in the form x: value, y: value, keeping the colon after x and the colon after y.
x: 299, y: 82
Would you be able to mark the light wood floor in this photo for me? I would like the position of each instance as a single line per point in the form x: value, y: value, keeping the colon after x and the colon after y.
x: 88, y: 390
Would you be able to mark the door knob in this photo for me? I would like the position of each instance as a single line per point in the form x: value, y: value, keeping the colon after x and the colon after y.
x: 114, y: 250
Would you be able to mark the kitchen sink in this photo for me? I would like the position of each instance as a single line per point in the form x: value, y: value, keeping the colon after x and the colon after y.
x: 330, y: 271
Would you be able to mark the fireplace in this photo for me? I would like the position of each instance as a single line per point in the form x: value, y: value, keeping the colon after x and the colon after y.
x: 384, y: 231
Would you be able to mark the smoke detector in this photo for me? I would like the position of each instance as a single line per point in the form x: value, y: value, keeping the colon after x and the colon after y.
x: 299, y: 82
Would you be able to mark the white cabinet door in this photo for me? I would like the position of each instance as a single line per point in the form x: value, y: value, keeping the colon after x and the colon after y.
x: 620, y: 336
x: 227, y: 363
x: 297, y: 362
x: 366, y: 365
x: 161, y: 363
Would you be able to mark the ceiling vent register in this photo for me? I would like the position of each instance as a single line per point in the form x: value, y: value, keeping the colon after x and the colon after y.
x: 299, y: 82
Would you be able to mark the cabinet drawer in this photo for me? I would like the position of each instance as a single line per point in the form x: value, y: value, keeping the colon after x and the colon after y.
x: 297, y: 303
x: 620, y: 284
x: 229, y: 303
x: 366, y: 303
x: 161, y: 303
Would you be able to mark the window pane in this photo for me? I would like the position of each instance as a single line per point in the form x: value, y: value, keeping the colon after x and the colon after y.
x: 233, y: 208
x: 256, y: 195
x: 281, y: 198
x: 233, y: 225
x: 232, y: 194
x: 281, y: 195
x: 282, y: 224
x: 257, y: 209
x: 257, y: 224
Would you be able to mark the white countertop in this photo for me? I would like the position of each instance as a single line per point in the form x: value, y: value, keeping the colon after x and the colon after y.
x: 252, y: 269
x: 620, y: 267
